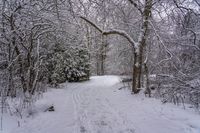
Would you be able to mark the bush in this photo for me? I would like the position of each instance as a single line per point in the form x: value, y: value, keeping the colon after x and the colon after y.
x: 71, y: 64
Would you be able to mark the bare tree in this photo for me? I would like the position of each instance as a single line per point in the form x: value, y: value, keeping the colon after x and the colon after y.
x: 137, y: 45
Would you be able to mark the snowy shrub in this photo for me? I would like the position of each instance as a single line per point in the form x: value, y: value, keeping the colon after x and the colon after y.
x: 78, y: 68
x: 67, y: 64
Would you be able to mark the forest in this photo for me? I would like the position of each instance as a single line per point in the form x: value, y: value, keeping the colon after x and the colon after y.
x: 152, y: 45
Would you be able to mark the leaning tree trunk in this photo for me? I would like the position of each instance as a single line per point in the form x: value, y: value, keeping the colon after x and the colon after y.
x: 138, y: 53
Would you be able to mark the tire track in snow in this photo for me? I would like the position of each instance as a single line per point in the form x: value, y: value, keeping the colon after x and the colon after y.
x: 75, y: 111
x: 122, y: 122
x: 82, y: 122
x: 103, y: 116
x: 95, y: 114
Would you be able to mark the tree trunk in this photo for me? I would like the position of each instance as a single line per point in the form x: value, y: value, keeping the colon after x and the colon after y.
x: 102, y: 55
x: 135, y: 82
x: 89, y: 44
x: 138, y: 53
x: 10, y: 78
x: 147, y: 90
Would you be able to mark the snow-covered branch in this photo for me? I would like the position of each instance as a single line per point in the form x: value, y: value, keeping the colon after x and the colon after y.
x: 136, y: 6
x: 12, y: 62
x: 163, y: 44
x: 122, y: 33
x: 113, y: 31
x: 92, y: 24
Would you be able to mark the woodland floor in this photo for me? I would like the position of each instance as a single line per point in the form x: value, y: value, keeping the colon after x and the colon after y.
x: 98, y: 106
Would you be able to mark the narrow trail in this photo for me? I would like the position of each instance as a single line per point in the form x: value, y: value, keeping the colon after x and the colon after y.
x: 94, y: 113
x: 97, y: 106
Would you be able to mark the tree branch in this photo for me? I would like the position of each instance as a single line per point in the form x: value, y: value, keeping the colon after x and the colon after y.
x: 92, y: 24
x: 198, y: 3
x: 113, y: 31
x: 181, y: 8
x: 121, y: 33
x: 136, y: 6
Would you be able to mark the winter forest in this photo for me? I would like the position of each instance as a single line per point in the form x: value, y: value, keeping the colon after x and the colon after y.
x: 100, y: 66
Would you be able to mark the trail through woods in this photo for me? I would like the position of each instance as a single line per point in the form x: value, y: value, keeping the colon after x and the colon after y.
x: 97, y: 106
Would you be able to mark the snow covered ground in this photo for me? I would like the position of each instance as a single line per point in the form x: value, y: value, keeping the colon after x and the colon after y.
x: 97, y: 106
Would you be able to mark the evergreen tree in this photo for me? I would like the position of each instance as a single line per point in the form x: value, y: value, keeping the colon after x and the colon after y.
x: 67, y: 64
x: 78, y: 67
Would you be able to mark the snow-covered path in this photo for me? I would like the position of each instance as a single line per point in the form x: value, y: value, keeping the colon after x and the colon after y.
x: 97, y: 106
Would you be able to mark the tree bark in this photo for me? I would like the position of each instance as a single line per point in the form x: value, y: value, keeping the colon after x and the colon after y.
x: 102, y: 61
x: 138, y: 53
